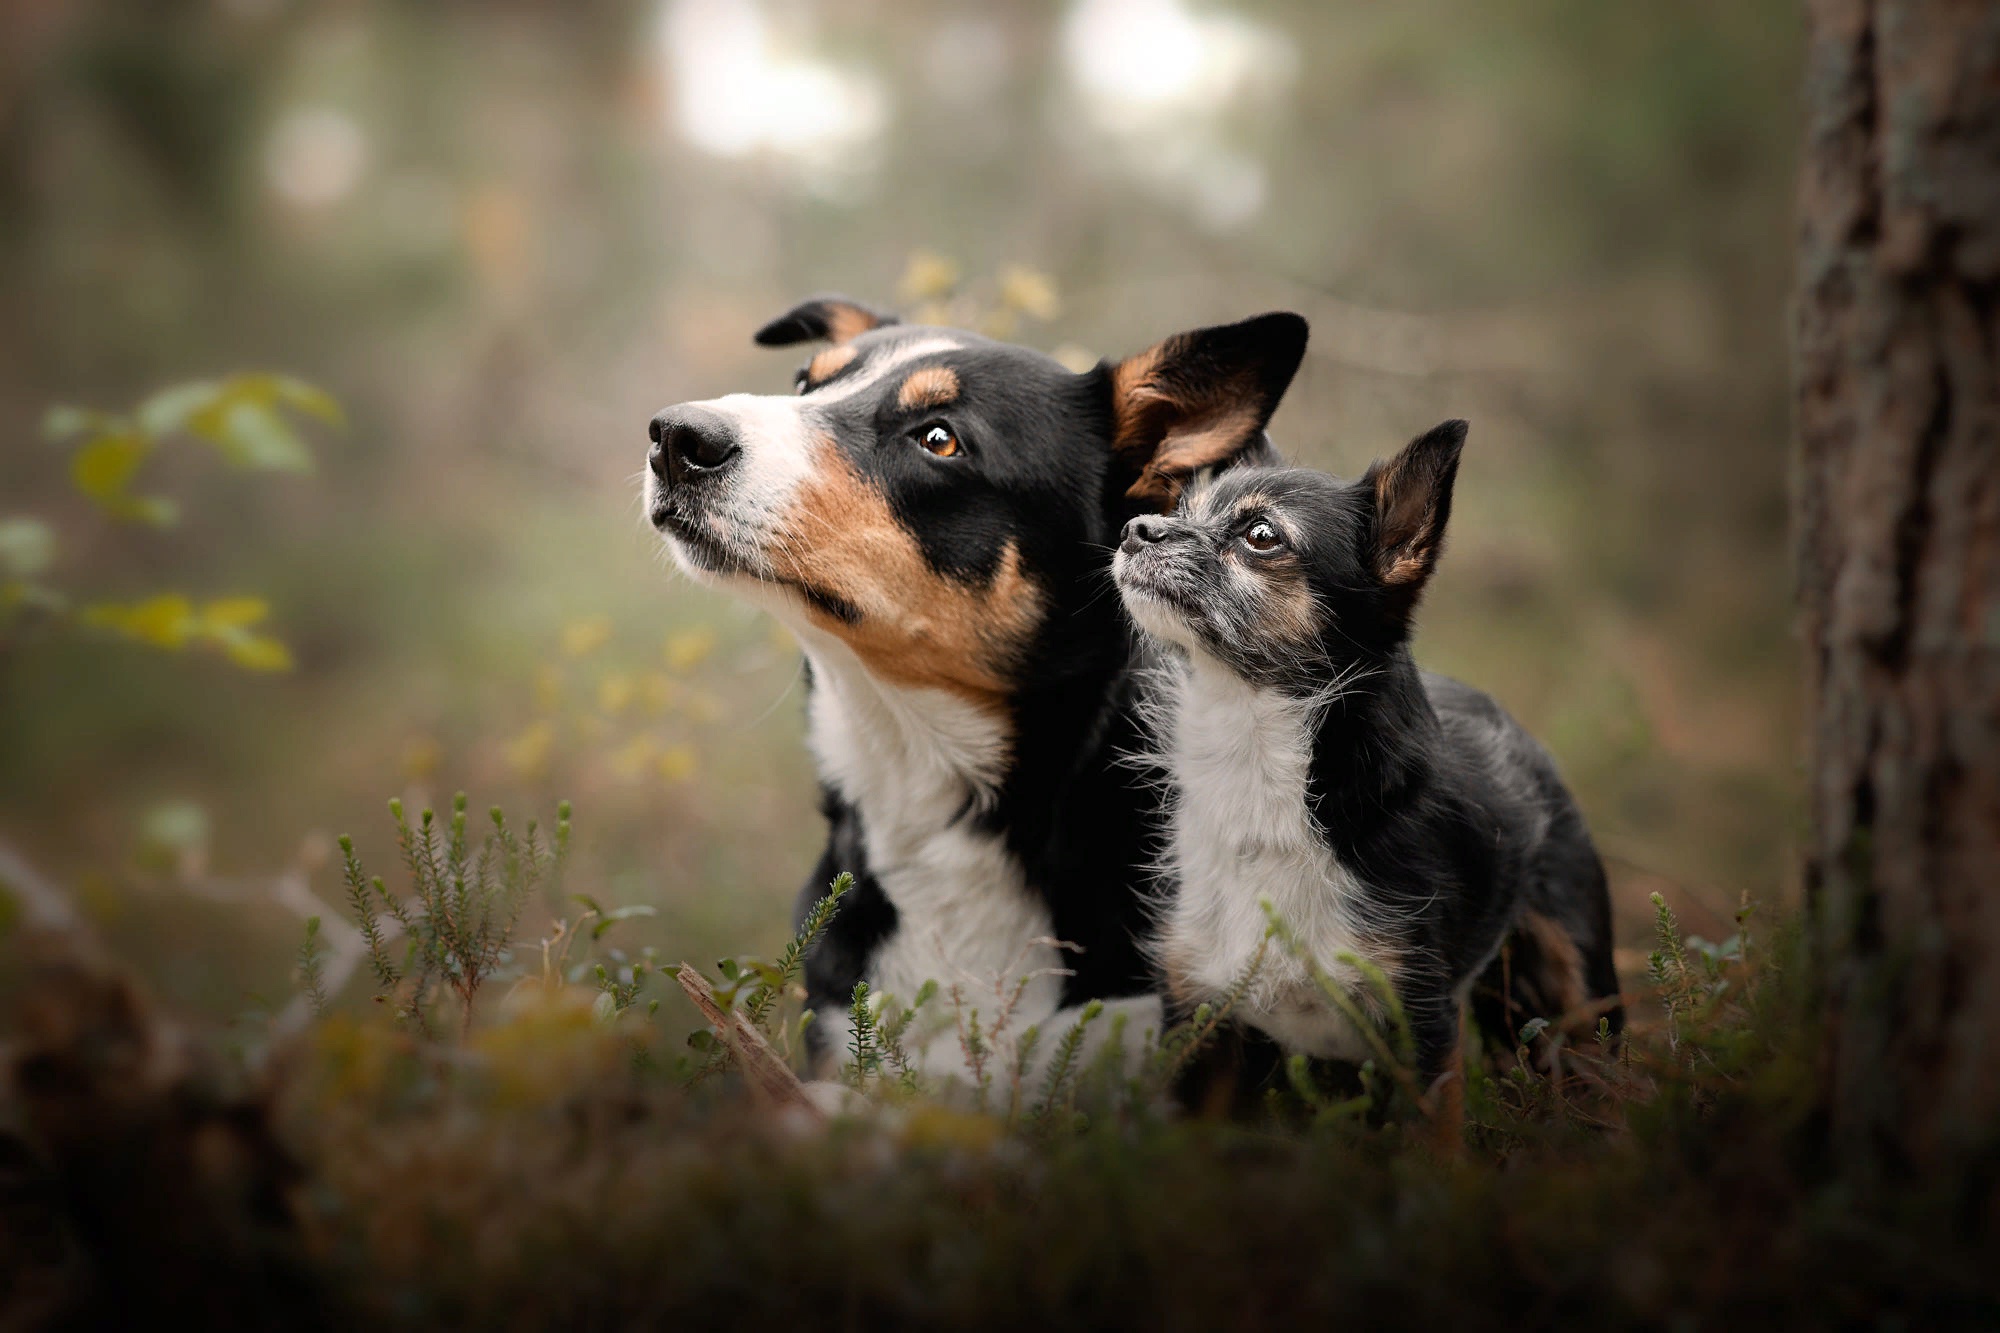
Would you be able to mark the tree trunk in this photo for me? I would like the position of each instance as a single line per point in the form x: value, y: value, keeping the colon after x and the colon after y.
x: 1898, y: 357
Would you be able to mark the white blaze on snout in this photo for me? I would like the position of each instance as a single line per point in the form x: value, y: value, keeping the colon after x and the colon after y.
x: 747, y: 507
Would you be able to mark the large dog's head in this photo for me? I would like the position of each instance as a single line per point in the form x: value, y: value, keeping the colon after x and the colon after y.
x: 943, y: 504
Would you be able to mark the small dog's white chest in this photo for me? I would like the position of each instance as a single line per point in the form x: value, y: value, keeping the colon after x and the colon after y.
x: 1240, y: 756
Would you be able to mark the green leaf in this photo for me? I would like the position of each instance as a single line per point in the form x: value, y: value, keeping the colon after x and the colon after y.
x: 61, y: 422
x: 308, y: 398
x: 27, y: 546
x: 612, y: 918
x: 152, y: 510
x: 251, y: 434
x: 172, y: 408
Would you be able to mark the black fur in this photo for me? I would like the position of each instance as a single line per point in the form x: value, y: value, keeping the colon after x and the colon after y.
x: 1446, y: 811
x: 1048, y: 458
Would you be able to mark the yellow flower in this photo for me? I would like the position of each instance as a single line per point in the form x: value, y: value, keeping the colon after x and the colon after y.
x: 421, y: 757
x: 928, y: 276
x: 1029, y: 291
x: 678, y: 763
x: 548, y: 689
x: 614, y: 693
x: 581, y: 638
x: 658, y: 692
x: 528, y: 753
x: 632, y: 758
x: 690, y: 648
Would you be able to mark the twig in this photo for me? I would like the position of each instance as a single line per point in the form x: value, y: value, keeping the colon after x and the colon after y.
x: 292, y: 890
x: 44, y: 903
x: 768, y: 1076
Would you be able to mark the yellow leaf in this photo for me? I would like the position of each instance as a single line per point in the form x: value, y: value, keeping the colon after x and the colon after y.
x: 235, y: 612
x: 1073, y: 357
x: 103, y: 469
x: 1029, y: 291
x: 658, y: 692
x: 690, y: 648
x: 421, y: 757
x: 614, y: 693
x: 1000, y: 324
x: 927, y: 277
x: 632, y: 759
x: 164, y: 621
x: 548, y: 689
x: 528, y: 753
x: 257, y: 652
x: 581, y: 638
x: 678, y: 763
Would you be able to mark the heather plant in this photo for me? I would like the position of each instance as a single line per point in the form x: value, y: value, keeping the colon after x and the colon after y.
x: 459, y: 914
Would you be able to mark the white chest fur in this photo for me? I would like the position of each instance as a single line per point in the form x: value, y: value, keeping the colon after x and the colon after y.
x: 1241, y: 834
x: 910, y: 760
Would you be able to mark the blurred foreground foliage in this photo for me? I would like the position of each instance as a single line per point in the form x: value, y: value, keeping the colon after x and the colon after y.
x: 568, y: 1160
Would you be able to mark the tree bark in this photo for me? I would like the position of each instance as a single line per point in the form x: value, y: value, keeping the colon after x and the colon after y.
x: 1899, y: 560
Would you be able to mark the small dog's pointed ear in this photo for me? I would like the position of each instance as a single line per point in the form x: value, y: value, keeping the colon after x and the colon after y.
x: 1200, y: 399
x: 1412, y: 504
x: 834, y: 318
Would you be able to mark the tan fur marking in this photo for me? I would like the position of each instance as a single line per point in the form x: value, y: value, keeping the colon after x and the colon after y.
x: 1190, y: 435
x: 933, y: 386
x: 916, y: 627
x: 1402, y: 539
x: 1560, y: 981
x: 846, y: 321
x: 1289, y: 607
x: 1189, y: 449
x: 828, y: 363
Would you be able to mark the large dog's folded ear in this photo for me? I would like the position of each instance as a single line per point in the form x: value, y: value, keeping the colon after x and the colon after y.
x: 1200, y: 399
x: 834, y: 318
x: 1412, y: 494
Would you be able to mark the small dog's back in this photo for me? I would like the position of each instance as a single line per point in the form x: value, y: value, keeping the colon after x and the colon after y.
x: 1556, y: 963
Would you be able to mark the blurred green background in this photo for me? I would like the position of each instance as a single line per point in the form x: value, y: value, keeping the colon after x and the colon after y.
x: 502, y: 235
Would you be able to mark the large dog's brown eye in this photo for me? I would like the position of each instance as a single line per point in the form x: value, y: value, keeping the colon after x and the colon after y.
x: 1262, y: 537
x: 938, y: 439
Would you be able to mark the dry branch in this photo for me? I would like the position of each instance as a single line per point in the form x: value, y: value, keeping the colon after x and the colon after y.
x: 768, y: 1075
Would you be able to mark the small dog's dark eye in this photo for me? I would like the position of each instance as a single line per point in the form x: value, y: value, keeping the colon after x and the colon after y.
x: 1262, y: 537
x: 938, y: 439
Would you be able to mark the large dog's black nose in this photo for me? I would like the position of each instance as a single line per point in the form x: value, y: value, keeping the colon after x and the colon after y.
x: 1145, y: 531
x: 689, y: 442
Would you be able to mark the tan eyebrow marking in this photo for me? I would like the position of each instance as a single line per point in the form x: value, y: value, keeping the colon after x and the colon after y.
x: 933, y: 386
x: 828, y: 364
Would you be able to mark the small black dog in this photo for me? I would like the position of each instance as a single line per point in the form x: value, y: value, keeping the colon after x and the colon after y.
x: 1387, y: 815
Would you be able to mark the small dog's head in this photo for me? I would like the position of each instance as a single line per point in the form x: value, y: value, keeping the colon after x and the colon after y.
x: 941, y: 502
x: 1291, y: 577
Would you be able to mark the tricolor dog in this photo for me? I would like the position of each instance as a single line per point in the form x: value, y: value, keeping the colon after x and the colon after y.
x: 1388, y: 816
x: 933, y: 514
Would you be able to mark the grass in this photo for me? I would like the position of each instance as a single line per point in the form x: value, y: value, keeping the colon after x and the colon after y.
x: 568, y: 1160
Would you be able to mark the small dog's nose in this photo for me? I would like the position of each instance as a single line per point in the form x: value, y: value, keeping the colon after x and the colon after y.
x: 687, y: 442
x: 1143, y: 531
